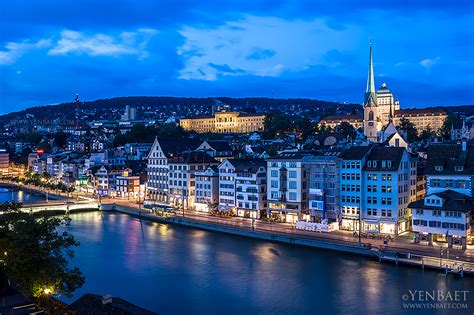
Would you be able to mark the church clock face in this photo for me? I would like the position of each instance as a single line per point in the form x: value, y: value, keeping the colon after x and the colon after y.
x: 371, y: 124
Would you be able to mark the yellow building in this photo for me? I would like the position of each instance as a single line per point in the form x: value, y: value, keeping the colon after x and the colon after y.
x: 357, y: 121
x: 422, y: 118
x: 223, y: 122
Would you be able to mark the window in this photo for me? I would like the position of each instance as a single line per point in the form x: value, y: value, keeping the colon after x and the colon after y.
x: 292, y: 174
x: 274, y: 173
x: 438, y: 168
x: 292, y: 184
x: 458, y: 168
x: 419, y: 211
x: 371, y: 115
x: 274, y: 184
x: 292, y: 196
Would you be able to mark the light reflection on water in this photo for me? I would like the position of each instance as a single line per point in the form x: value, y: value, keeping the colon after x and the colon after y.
x: 175, y: 270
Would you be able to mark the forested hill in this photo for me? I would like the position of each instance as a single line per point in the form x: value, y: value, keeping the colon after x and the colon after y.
x: 191, y: 106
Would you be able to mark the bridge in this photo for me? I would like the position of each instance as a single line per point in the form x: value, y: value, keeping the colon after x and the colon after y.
x: 61, y: 206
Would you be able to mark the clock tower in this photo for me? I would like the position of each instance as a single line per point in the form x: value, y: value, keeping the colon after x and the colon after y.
x: 372, y: 117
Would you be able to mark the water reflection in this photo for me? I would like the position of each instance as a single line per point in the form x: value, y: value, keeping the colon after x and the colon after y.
x: 175, y: 270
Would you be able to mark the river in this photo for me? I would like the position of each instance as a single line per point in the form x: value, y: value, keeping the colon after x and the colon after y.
x: 177, y: 270
x: 8, y: 193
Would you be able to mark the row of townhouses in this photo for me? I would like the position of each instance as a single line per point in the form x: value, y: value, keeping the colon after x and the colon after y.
x: 377, y: 188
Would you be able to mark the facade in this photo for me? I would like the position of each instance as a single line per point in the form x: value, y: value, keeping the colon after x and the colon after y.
x: 444, y: 214
x: 4, y: 162
x: 422, y: 118
x: 227, y: 188
x: 356, y: 121
x: 351, y: 186
x: 207, y: 189
x: 182, y: 176
x: 387, y: 183
x: 128, y: 185
x: 160, y: 153
x: 251, y: 188
x: 287, y: 188
x: 225, y: 122
x: 323, y: 193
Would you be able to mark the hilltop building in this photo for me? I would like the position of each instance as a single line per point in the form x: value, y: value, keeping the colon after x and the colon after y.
x: 225, y: 122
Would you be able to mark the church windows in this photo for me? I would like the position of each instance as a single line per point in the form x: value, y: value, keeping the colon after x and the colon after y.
x: 371, y: 115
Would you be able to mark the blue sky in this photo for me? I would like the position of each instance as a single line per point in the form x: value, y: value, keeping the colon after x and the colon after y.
x: 50, y: 50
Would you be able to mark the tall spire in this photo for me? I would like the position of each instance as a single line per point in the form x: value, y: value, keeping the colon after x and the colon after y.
x: 370, y: 98
x: 370, y: 77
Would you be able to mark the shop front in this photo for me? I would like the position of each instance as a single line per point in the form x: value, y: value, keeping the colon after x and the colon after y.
x: 350, y: 224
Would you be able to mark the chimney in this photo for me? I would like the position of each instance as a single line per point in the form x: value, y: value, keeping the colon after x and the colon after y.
x: 464, y: 145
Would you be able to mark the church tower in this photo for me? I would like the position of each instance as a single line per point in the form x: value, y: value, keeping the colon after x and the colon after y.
x: 372, y: 120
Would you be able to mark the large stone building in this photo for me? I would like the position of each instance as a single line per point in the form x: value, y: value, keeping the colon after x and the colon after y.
x: 224, y: 122
x: 381, y: 108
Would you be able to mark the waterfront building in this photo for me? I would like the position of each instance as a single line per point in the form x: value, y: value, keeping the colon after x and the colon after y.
x: 128, y: 185
x: 323, y: 194
x: 160, y: 153
x: 104, y: 179
x: 225, y: 122
x: 182, y: 176
x: 352, y: 185
x: 444, y: 214
x: 251, y: 188
x: 4, y: 161
x: 387, y: 183
x: 287, y: 187
x: 227, y: 185
x: 207, y: 189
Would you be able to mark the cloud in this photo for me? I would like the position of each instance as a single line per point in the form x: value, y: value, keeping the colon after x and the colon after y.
x: 15, y: 50
x: 260, y: 46
x: 125, y: 43
x: 428, y: 63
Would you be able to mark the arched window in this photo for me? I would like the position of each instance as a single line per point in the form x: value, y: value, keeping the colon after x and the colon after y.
x: 371, y: 115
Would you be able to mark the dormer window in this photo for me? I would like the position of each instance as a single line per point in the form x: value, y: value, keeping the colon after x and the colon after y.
x: 458, y: 168
x: 384, y: 164
x: 439, y: 168
x: 389, y: 163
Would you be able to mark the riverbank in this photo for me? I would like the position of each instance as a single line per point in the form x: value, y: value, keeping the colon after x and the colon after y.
x: 447, y: 266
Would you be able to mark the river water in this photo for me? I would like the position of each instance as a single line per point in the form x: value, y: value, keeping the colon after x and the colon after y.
x: 11, y: 193
x: 177, y: 270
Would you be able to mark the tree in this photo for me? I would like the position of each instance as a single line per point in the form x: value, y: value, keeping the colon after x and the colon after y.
x: 409, y: 128
x: 35, y: 254
x: 346, y: 129
x: 60, y: 139
x: 447, y: 125
x: 427, y: 134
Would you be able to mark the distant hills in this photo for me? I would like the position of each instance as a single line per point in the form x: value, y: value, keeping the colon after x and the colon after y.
x: 162, y: 107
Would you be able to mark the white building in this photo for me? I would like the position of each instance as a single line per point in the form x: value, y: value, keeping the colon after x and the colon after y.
x: 387, y: 187
x: 182, y: 176
x: 444, y: 214
x: 160, y: 153
x: 227, y: 189
x: 207, y: 189
x: 287, y: 188
x: 251, y: 188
